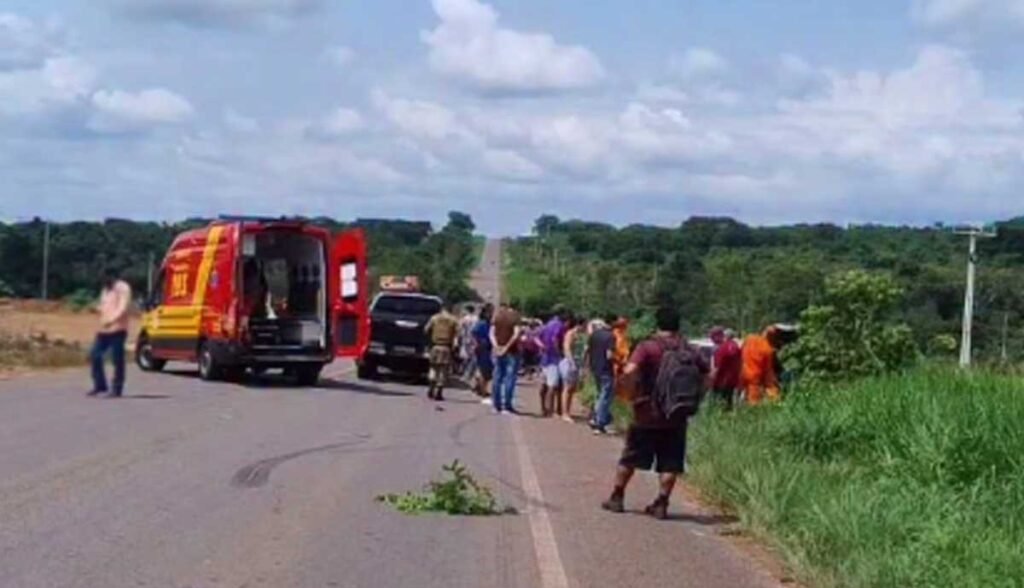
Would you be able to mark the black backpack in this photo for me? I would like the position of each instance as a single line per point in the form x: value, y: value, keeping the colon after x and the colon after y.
x: 679, y: 387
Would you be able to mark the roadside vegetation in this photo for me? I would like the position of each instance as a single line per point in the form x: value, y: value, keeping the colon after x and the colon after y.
x: 904, y: 480
x: 456, y: 493
x: 720, y: 271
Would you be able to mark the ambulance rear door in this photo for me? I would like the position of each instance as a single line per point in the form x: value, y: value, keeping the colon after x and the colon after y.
x: 350, y: 316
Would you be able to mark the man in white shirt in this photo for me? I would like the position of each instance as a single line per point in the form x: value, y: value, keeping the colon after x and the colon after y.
x: 114, y: 306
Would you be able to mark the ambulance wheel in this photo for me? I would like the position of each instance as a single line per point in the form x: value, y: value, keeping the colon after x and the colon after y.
x: 144, y: 356
x: 307, y: 375
x: 208, y: 368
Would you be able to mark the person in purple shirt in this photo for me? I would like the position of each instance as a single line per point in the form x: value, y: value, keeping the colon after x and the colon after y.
x: 551, y: 338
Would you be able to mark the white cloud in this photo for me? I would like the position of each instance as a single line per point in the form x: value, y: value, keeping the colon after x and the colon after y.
x: 510, y: 165
x: 340, y: 55
x: 698, y: 62
x: 941, y: 86
x: 25, y: 44
x: 468, y: 45
x: 61, y: 82
x: 419, y: 118
x: 341, y: 122
x: 969, y: 13
x: 120, y: 111
x: 218, y: 13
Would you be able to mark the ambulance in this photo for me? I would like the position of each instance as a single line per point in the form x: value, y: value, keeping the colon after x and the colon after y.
x: 258, y: 293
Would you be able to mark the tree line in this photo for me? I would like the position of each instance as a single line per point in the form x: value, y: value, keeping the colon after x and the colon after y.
x: 721, y: 271
x: 80, y: 251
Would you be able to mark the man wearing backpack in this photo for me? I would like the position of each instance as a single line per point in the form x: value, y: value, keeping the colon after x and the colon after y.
x: 664, y: 379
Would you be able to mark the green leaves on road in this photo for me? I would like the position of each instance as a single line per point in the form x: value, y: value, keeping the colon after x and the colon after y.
x: 457, y: 493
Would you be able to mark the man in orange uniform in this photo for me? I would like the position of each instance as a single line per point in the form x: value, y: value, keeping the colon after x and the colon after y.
x: 759, y: 375
x: 620, y: 354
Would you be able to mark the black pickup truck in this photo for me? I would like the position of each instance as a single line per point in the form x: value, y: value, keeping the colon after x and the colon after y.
x: 398, y: 342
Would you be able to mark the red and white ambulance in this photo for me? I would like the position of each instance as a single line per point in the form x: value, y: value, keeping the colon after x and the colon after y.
x: 258, y: 293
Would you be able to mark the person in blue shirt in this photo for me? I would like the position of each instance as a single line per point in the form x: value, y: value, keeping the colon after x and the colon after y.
x: 483, y: 353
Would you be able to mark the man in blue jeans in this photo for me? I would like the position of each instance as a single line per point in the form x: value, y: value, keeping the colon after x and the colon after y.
x: 505, y: 333
x: 600, y: 351
x: 114, y: 305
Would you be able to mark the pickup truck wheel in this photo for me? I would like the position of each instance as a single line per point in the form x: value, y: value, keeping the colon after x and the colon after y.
x: 144, y: 356
x: 307, y: 375
x: 208, y: 368
x: 366, y: 371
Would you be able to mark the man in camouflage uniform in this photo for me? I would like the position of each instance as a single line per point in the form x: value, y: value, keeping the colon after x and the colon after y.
x: 443, y: 330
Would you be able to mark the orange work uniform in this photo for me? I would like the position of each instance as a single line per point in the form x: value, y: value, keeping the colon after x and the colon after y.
x: 620, y: 354
x: 758, y: 376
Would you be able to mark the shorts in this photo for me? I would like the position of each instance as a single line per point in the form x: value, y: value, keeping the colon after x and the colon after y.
x: 663, y: 450
x: 485, y: 365
x: 552, y: 376
x: 568, y: 372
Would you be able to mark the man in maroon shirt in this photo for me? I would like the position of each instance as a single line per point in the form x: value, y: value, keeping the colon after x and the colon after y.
x: 728, y: 363
x: 651, y: 441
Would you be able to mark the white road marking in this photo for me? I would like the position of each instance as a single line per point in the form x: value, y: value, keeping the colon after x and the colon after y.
x: 549, y: 562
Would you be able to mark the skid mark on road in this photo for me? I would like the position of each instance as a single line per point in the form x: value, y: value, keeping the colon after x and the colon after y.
x: 257, y: 474
x: 549, y: 562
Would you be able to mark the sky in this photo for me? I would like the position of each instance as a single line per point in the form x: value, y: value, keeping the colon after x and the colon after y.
x: 647, y: 111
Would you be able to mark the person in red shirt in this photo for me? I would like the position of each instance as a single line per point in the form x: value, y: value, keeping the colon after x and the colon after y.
x: 652, y: 442
x: 727, y: 363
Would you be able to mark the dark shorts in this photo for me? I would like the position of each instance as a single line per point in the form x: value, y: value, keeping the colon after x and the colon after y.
x: 485, y: 364
x: 662, y: 450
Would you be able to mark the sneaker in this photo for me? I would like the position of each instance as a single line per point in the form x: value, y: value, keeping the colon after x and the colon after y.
x: 486, y: 402
x: 95, y: 392
x: 596, y: 430
x: 658, y: 509
x: 496, y: 411
x: 568, y: 419
x: 614, y: 504
x: 511, y: 412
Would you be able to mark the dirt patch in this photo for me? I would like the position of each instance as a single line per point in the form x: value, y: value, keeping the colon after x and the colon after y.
x: 55, y: 320
x: 43, y: 335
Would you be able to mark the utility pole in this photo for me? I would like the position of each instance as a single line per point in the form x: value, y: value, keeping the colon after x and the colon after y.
x: 1006, y: 332
x: 46, y: 260
x: 973, y: 232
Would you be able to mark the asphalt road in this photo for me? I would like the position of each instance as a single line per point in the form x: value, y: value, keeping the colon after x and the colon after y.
x: 191, y: 484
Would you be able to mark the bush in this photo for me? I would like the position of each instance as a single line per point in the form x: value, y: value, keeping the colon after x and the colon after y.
x: 80, y: 299
x: 457, y: 493
x: 902, y: 481
x: 851, y: 333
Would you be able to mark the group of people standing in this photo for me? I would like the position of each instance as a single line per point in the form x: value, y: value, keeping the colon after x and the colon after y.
x: 496, y: 343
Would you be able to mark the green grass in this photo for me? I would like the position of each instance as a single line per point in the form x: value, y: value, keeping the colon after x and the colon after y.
x: 904, y: 481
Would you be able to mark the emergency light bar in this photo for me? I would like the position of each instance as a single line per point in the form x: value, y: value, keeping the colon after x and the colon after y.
x: 230, y: 218
x: 400, y: 283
